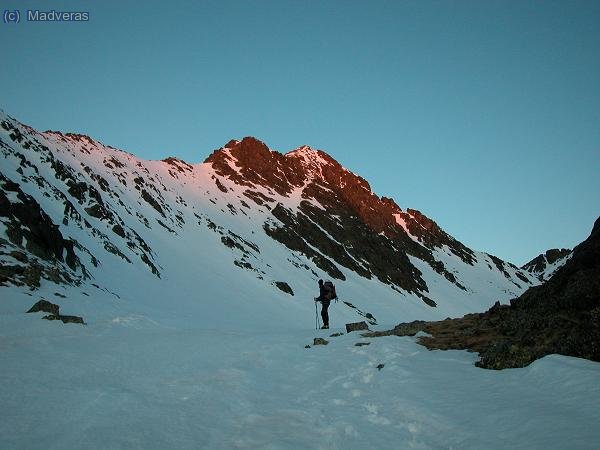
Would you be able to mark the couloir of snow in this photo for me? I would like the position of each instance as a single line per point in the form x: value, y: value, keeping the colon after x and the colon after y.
x: 210, y: 356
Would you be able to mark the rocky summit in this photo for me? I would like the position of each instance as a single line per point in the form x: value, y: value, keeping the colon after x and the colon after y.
x: 546, y: 264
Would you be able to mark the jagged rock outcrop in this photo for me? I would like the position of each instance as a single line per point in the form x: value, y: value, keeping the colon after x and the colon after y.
x: 284, y: 287
x: 54, y: 312
x: 45, y: 306
x: 28, y: 226
x: 560, y: 316
x: 543, y: 266
x: 65, y: 319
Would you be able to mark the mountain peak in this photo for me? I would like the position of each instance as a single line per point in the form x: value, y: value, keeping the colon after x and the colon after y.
x: 250, y: 162
x: 301, y: 150
x: 312, y: 158
x: 319, y: 176
x: 545, y: 265
x: 249, y: 146
x: 324, y: 218
x: 248, y: 143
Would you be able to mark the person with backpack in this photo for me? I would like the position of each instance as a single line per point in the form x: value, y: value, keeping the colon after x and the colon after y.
x: 326, y: 294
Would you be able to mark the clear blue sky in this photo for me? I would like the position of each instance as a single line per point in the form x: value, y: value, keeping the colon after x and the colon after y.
x: 484, y: 115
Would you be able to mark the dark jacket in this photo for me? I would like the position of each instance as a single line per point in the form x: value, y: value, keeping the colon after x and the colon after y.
x: 323, y: 293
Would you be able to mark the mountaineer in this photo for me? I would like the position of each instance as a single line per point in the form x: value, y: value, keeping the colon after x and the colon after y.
x: 326, y: 294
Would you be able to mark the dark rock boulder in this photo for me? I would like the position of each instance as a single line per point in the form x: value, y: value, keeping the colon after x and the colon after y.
x: 65, y: 319
x: 356, y: 326
x: 72, y: 319
x: 283, y: 286
x: 320, y: 341
x: 44, y: 306
x: 54, y: 312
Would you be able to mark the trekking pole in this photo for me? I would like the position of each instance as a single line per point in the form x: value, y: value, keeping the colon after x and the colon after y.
x: 316, y: 317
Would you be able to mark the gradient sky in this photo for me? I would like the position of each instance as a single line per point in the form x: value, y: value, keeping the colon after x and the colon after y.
x: 484, y: 115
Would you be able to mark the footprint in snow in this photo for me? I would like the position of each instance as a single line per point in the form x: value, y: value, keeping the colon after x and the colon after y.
x: 374, y: 416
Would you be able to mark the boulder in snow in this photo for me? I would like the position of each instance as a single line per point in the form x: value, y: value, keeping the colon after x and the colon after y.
x: 65, y: 319
x: 356, y: 326
x: 45, y: 306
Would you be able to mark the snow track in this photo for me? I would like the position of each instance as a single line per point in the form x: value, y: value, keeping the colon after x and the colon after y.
x: 150, y: 387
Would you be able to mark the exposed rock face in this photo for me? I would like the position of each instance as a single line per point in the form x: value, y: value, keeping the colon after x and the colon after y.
x: 54, y: 310
x: 575, y: 286
x: 34, y: 242
x: 258, y: 166
x: 30, y: 226
x: 86, y: 197
x: 544, y: 265
x: 45, y: 306
x: 560, y: 316
x: 370, y: 234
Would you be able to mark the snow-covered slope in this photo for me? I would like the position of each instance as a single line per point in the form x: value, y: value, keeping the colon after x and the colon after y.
x: 221, y: 239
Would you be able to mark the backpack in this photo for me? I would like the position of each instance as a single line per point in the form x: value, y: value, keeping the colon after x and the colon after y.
x: 330, y: 293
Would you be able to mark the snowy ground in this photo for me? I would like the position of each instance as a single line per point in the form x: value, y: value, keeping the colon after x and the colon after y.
x: 134, y: 383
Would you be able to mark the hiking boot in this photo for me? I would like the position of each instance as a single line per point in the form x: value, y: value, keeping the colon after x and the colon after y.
x: 325, y: 327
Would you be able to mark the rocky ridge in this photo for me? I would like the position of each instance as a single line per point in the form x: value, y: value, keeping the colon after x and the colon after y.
x: 544, y: 265
x: 372, y: 236
x: 71, y: 208
x: 560, y: 316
